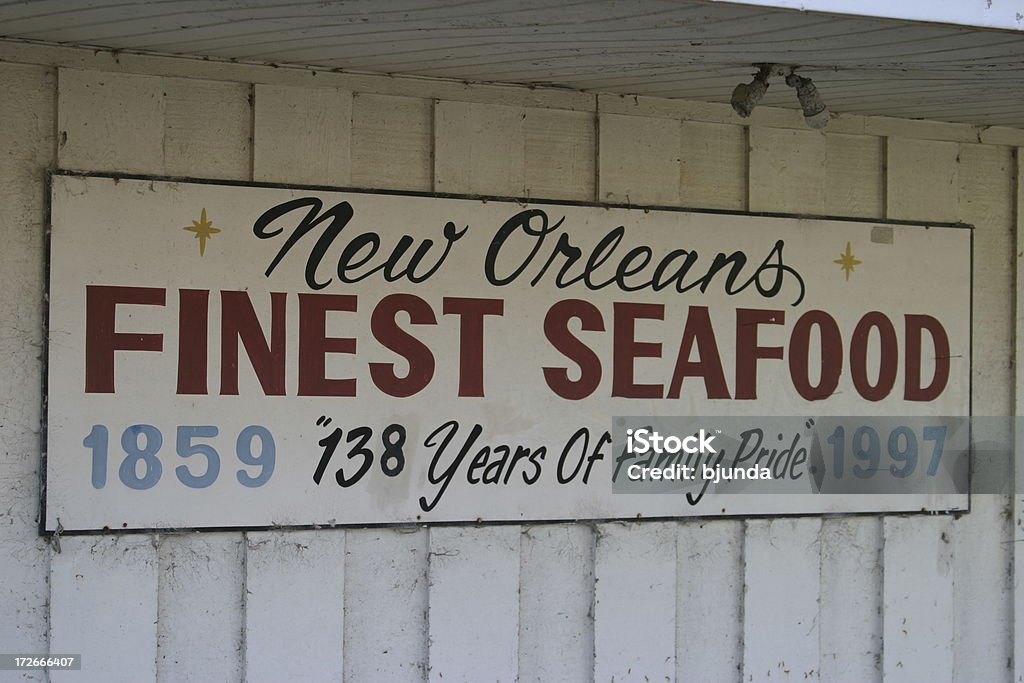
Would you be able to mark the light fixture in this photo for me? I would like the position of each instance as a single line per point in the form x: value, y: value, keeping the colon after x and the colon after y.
x: 745, y: 96
x: 815, y: 111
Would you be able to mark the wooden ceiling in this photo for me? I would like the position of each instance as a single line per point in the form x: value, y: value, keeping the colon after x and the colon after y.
x: 686, y: 49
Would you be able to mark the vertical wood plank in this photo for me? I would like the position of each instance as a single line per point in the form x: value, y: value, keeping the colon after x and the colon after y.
x: 787, y: 174
x: 782, y: 583
x: 634, y: 605
x: 635, y: 564
x: 474, y: 603
x: 982, y: 539
x: 854, y: 175
x: 638, y: 159
x: 1018, y: 442
x: 918, y: 581
x: 110, y: 122
x: 986, y: 202
x: 560, y: 154
x: 556, y: 595
x: 303, y: 135
x: 479, y: 149
x: 199, y: 626
x: 103, y: 606
x: 27, y: 112
x: 713, y: 172
x: 294, y: 585
x: 556, y: 580
x: 918, y: 599
x: 294, y: 606
x: 108, y: 587
x: 787, y: 171
x: 207, y: 129
x: 386, y: 605
x: 851, y: 548
x: 851, y: 601
x: 709, y: 602
x: 474, y: 572
x: 392, y: 142
x: 921, y: 179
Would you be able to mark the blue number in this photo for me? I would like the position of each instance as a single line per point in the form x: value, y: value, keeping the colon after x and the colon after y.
x: 871, y: 454
x: 265, y: 460
x: 97, y: 441
x: 908, y: 455
x: 186, y: 448
x: 938, y: 435
x: 838, y: 443
x: 129, y: 471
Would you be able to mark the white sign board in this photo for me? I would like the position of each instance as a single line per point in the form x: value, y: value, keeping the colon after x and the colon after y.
x: 227, y: 355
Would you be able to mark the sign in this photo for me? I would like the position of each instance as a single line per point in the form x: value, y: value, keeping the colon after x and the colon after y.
x: 228, y: 355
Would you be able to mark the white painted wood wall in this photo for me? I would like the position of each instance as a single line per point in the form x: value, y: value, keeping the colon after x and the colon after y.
x: 894, y: 599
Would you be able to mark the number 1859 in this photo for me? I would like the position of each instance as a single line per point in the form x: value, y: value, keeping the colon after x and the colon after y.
x: 141, y: 467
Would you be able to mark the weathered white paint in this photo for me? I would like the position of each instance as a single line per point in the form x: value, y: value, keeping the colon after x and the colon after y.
x: 851, y: 582
x: 1017, y: 520
x: 103, y: 601
x: 709, y: 601
x: 302, y: 135
x: 922, y: 179
x: 638, y: 161
x: 385, y: 604
x: 635, y: 573
x: 392, y: 142
x: 850, y: 609
x: 480, y: 149
x: 917, y: 600
x: 713, y: 166
x: 294, y: 605
x: 27, y: 138
x: 787, y: 171
x: 199, y: 581
x: 781, y: 557
x: 917, y: 574
x: 556, y: 602
x: 781, y: 594
x: 473, y: 621
x: 986, y: 195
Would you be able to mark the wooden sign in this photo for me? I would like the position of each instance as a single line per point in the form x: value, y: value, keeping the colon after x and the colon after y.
x: 230, y: 355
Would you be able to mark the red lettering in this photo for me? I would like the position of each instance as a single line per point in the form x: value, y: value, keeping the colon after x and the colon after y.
x: 314, y: 345
x: 239, y: 323
x: 556, y: 329
x: 101, y: 341
x: 888, y: 356
x: 831, y: 355
x: 747, y: 350
x: 915, y: 325
x: 386, y: 330
x: 625, y: 349
x: 471, y: 314
x: 699, y: 332
x: 193, y: 316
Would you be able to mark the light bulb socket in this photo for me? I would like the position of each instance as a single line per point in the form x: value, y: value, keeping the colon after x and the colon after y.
x: 745, y: 96
x: 815, y: 111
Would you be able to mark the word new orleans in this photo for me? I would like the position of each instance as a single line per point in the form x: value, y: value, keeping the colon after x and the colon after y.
x: 528, y: 249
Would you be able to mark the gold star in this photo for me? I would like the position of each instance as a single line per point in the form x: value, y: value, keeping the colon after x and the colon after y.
x: 847, y: 261
x: 203, y: 229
